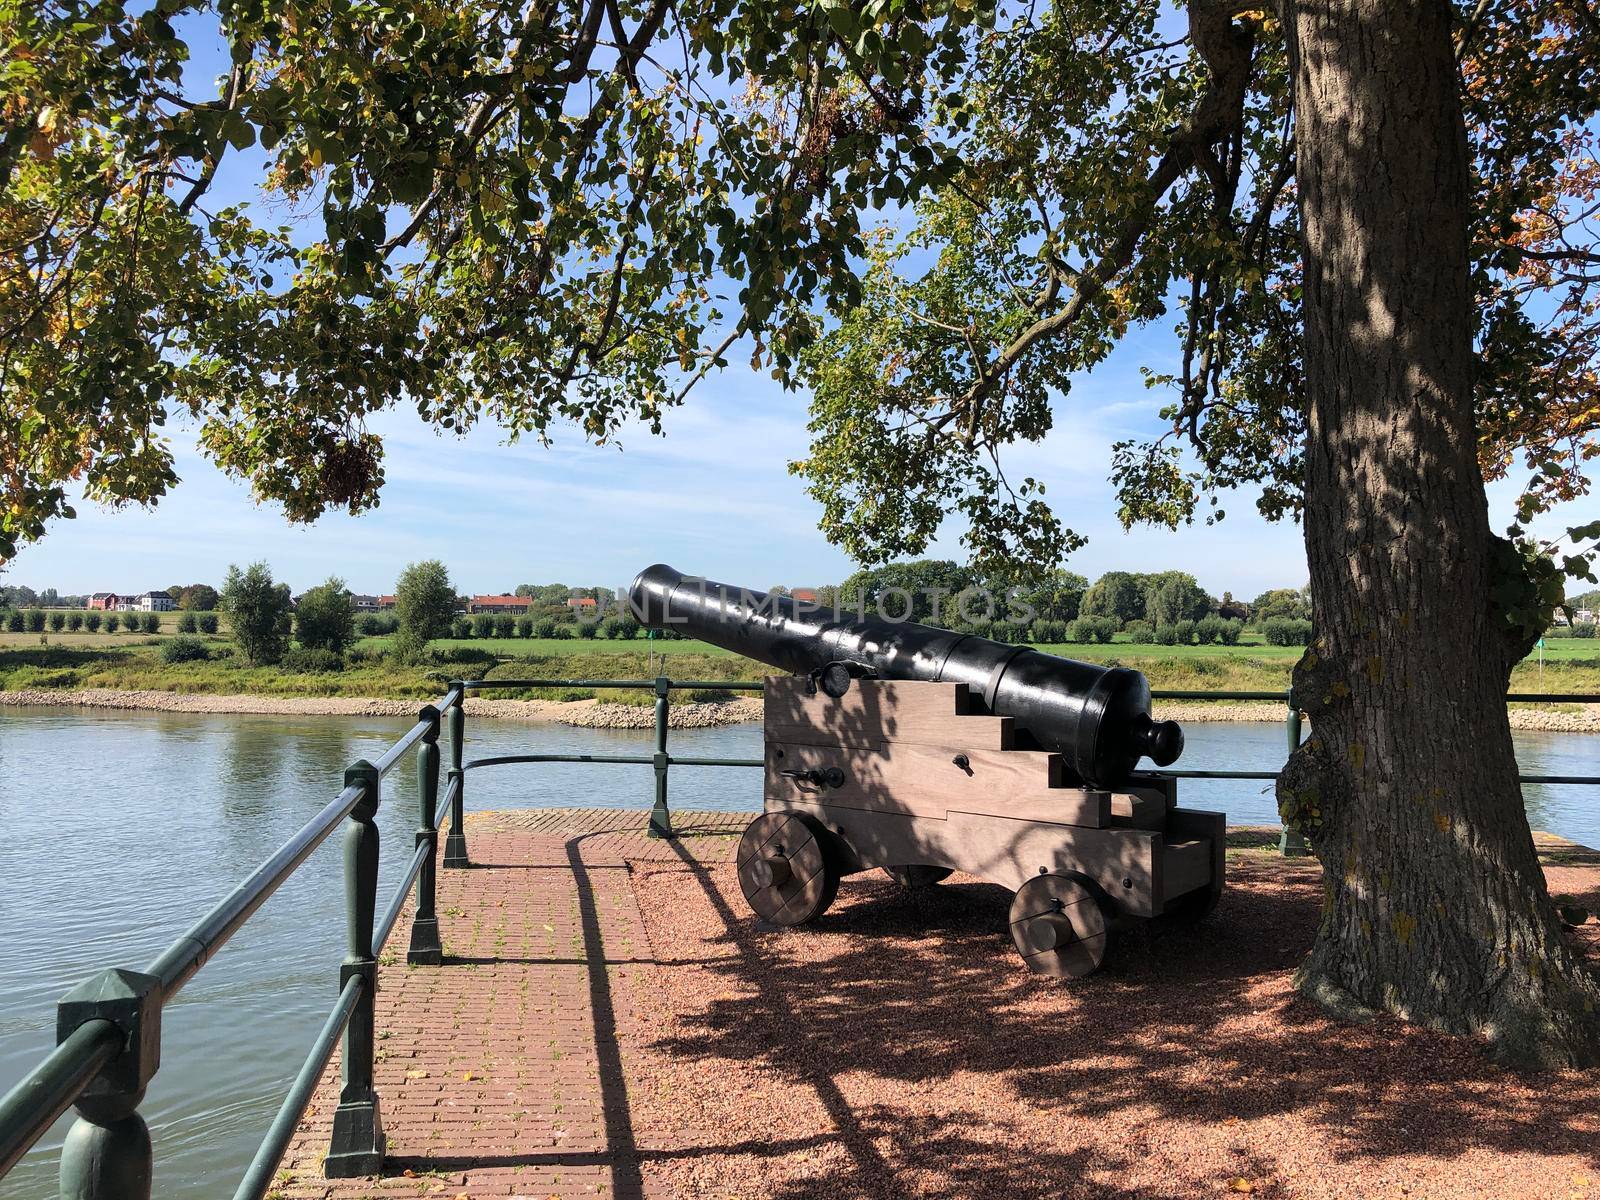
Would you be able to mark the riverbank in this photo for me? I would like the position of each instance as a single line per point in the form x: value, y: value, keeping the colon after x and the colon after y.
x: 587, y: 714
x: 599, y: 714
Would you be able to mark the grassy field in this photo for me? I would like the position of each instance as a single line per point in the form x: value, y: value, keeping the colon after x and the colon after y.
x: 133, y: 662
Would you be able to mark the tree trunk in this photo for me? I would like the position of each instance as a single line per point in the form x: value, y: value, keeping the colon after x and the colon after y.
x: 1435, y: 906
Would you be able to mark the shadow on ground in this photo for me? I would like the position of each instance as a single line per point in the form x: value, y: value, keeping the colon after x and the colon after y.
x: 903, y: 1023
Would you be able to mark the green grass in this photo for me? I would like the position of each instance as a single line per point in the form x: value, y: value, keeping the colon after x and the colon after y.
x: 562, y: 647
x: 134, y: 663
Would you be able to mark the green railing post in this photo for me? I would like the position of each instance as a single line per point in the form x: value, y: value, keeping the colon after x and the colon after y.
x: 426, y: 949
x: 107, y: 1153
x: 1291, y: 842
x: 660, y: 818
x: 358, y: 1140
x: 455, y: 842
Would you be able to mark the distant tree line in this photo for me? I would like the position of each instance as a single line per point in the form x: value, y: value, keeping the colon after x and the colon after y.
x: 320, y: 632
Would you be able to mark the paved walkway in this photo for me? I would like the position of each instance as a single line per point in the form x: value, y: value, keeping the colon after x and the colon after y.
x: 500, y: 1071
x: 520, y: 1067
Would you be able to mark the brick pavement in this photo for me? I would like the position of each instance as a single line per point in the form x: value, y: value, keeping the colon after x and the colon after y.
x: 500, y: 1072
x: 504, y: 1072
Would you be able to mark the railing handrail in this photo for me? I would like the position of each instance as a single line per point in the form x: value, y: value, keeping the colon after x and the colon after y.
x: 756, y: 685
x: 98, y: 1043
x: 39, y: 1098
x: 677, y: 685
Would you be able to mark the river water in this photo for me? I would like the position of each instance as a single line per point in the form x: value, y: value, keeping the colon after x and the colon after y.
x: 123, y: 827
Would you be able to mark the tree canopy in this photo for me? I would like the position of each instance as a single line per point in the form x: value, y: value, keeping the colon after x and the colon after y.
x: 1118, y: 175
x: 424, y: 604
x: 259, y: 611
x: 532, y: 212
x: 324, y: 620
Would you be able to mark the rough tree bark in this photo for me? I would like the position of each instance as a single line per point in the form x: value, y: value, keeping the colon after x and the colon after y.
x: 1435, y: 907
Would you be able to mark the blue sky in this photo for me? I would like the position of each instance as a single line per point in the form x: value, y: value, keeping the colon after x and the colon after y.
x: 712, y: 497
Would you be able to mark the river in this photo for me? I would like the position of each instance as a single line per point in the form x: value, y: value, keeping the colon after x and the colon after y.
x: 126, y: 826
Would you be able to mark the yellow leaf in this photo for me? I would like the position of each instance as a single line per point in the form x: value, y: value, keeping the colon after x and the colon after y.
x: 1240, y: 1184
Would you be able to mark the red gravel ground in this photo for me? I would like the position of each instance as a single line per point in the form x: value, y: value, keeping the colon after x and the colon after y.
x: 899, y: 1049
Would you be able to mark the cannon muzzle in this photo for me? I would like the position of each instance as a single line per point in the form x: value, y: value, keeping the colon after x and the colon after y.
x: 1096, y: 717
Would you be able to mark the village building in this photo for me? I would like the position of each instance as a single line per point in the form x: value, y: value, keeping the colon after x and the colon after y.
x: 153, y: 601
x: 498, y: 604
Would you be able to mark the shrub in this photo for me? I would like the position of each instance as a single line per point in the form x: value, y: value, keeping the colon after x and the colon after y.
x: 14, y: 621
x: 1232, y: 627
x: 460, y: 628
x: 188, y: 622
x: 564, y: 629
x: 1090, y: 630
x: 208, y: 622
x: 525, y: 627
x: 323, y: 620
x: 1185, y: 632
x: 91, y: 621
x: 58, y: 621
x: 1140, y: 633
x: 1166, y: 635
x: 588, y: 629
x: 1585, y: 630
x: 376, y: 625
x: 1047, y: 632
x: 75, y: 621
x: 482, y: 626
x: 461, y: 654
x: 184, y: 648
x: 113, y: 622
x: 505, y: 626
x: 151, y: 622
x: 313, y: 660
x: 1286, y: 631
x: 544, y: 627
x: 424, y: 608
x: 36, y: 620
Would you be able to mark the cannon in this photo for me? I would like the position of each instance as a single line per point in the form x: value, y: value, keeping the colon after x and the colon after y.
x: 922, y: 751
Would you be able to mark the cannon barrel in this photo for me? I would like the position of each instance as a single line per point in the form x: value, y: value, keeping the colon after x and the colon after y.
x: 1096, y: 717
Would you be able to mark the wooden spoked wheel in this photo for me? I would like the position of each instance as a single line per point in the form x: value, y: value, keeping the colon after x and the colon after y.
x: 1061, y: 925
x: 913, y: 877
x: 784, y: 870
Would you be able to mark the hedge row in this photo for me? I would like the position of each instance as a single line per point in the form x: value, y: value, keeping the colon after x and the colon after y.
x: 36, y: 620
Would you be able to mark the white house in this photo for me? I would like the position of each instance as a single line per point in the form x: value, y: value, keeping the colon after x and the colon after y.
x: 148, y: 602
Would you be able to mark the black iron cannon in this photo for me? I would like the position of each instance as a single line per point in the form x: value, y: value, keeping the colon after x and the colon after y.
x: 1097, y: 717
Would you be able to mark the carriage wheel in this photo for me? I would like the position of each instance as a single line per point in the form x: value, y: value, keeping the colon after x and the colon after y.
x: 784, y: 870
x: 914, y: 877
x: 1061, y: 925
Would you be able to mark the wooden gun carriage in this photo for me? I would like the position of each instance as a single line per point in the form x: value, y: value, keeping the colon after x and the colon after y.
x: 919, y: 779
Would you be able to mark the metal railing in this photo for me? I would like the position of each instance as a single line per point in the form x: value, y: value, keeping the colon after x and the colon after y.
x: 660, y: 819
x: 108, y: 1028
